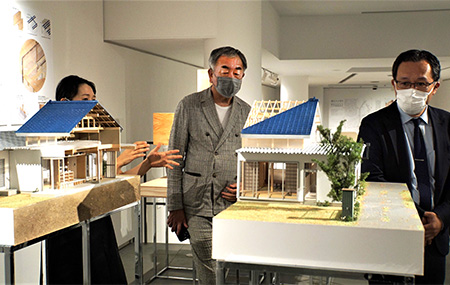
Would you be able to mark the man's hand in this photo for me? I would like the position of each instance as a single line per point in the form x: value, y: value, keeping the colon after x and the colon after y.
x: 229, y: 193
x: 432, y: 225
x: 129, y: 155
x: 176, y: 220
x: 164, y: 158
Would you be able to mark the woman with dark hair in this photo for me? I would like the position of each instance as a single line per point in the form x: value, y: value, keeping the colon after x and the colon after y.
x: 75, y: 88
x: 64, y: 250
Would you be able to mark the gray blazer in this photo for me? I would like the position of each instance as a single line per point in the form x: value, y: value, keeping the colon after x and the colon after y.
x: 209, y: 161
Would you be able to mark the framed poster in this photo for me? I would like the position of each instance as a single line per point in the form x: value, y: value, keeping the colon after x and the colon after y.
x: 26, y: 80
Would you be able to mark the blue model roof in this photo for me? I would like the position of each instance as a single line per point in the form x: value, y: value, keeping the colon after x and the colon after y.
x: 295, y: 121
x: 57, y: 117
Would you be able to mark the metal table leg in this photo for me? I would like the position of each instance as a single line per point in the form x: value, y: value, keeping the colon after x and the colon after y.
x: 167, y: 240
x: 144, y: 214
x: 194, y: 273
x: 155, y: 258
x: 86, y: 238
x: 166, y: 266
x: 254, y: 277
x: 46, y: 265
x: 9, y: 266
x: 139, y: 262
x: 220, y: 274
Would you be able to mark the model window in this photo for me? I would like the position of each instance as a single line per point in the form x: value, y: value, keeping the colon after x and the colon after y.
x: 109, y: 164
x: 2, y: 173
x: 269, y: 180
x: 310, y: 184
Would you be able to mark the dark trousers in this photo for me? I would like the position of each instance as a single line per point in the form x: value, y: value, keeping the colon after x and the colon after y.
x: 65, y: 258
x: 434, y: 267
x: 434, y: 270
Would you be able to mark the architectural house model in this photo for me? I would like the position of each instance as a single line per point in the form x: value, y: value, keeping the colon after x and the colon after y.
x: 64, y: 144
x: 279, y: 141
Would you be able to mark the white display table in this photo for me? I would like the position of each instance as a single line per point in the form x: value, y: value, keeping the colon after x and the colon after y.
x: 388, y: 237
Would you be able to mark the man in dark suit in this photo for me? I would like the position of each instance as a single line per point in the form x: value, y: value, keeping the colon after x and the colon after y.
x: 394, y: 138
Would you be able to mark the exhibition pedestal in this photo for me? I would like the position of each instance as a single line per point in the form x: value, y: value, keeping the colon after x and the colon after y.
x: 388, y: 237
x: 29, y: 218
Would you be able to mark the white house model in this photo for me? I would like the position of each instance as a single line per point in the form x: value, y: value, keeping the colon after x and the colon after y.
x: 65, y: 143
x: 279, y: 141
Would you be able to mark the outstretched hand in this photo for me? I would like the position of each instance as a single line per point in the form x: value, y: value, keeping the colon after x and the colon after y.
x: 164, y: 158
x: 128, y: 155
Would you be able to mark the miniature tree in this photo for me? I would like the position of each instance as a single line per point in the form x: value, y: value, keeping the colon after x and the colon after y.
x: 342, y: 157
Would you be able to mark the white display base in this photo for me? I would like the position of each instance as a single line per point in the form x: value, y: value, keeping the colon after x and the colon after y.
x: 388, y: 238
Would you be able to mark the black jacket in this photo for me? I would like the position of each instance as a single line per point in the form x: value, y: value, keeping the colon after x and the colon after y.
x: 388, y: 158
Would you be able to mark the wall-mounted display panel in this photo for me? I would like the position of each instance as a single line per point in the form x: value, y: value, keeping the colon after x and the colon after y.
x: 26, y: 79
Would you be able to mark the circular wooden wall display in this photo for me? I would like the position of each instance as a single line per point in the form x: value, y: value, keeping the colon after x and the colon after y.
x: 34, y: 65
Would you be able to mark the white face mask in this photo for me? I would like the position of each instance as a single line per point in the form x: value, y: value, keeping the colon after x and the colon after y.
x: 412, y: 101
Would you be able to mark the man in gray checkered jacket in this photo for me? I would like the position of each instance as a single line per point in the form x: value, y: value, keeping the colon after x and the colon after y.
x: 207, y: 131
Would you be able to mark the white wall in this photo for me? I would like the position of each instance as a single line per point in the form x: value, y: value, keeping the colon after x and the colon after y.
x: 270, y: 93
x: 441, y: 98
x: 213, y: 23
x: 365, y: 101
x: 153, y: 84
x: 160, y: 19
x: 270, y: 28
x: 294, y: 88
x: 362, y: 36
x: 353, y: 104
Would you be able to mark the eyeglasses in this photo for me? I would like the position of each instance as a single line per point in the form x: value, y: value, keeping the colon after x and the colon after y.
x: 418, y: 85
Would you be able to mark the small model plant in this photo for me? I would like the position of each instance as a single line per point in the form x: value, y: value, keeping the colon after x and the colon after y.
x: 342, y: 157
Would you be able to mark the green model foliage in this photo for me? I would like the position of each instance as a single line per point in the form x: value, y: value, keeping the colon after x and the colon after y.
x: 343, y: 155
